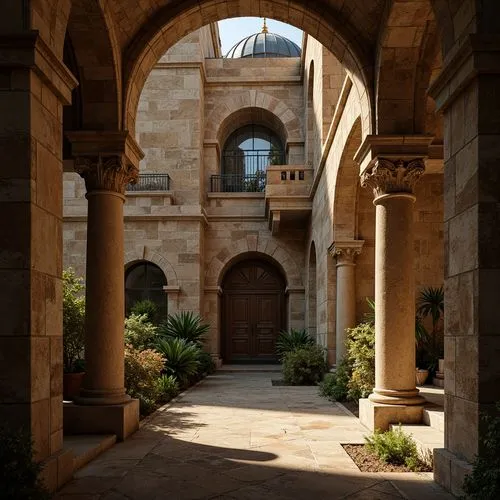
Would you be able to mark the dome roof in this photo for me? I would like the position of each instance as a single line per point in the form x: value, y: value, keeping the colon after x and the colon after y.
x: 264, y: 45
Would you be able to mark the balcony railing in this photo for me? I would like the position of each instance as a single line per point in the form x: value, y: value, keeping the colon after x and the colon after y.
x: 235, y: 183
x: 151, y: 182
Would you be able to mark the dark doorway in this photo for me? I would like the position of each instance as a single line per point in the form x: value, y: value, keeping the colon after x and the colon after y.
x: 253, y: 312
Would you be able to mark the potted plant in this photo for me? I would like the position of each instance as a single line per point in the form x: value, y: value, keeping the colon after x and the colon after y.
x: 73, y: 333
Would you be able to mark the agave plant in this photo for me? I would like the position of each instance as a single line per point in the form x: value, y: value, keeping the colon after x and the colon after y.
x: 291, y: 341
x: 181, y: 357
x: 184, y: 325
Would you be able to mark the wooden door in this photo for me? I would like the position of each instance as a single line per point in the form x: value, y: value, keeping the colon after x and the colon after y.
x: 253, y: 312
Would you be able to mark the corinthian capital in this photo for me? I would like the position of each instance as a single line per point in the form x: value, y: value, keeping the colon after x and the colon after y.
x: 346, y: 251
x: 392, y: 176
x: 105, y: 173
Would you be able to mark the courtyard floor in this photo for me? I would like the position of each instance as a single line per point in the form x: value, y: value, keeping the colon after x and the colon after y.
x: 235, y: 436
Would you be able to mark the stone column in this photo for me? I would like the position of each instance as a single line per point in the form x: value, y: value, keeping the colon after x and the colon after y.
x: 108, y: 162
x: 392, y: 182
x: 345, y: 253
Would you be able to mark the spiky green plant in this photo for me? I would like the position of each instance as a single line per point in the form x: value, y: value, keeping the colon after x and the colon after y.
x: 145, y: 307
x: 431, y: 303
x: 185, y: 325
x: 181, y: 357
x: 291, y: 341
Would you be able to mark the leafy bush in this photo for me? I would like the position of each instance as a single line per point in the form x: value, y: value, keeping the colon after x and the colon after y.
x: 335, y: 386
x: 167, y: 388
x: 484, y: 481
x: 140, y: 333
x: 73, y: 320
x: 289, y: 341
x: 361, y: 358
x: 395, y: 447
x: 184, y: 325
x: 142, y: 369
x: 19, y: 473
x: 207, y: 363
x: 181, y: 358
x: 147, y: 307
x: 304, y: 366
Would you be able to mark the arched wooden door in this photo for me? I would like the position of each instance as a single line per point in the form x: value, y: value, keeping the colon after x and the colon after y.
x: 253, y: 312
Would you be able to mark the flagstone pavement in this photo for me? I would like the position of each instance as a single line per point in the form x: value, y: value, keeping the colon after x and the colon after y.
x: 235, y: 436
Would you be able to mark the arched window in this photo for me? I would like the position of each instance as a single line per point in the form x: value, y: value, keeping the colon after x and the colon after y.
x: 246, y: 154
x: 145, y: 281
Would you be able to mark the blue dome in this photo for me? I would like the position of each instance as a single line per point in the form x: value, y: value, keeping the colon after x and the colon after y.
x: 264, y: 45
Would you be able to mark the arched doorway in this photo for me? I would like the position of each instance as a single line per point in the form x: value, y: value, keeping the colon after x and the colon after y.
x: 145, y: 281
x: 253, y: 311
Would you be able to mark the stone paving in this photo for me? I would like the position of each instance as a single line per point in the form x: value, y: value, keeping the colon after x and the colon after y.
x: 235, y: 436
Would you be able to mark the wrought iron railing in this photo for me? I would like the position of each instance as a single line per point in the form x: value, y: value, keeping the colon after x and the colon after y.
x: 151, y: 182
x: 250, y: 162
x: 235, y: 183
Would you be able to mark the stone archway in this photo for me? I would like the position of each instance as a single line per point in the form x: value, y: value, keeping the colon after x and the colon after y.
x: 253, y: 311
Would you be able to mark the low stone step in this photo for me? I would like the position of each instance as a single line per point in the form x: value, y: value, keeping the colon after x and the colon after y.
x: 427, y: 438
x: 86, y: 447
x: 434, y: 417
x: 250, y: 368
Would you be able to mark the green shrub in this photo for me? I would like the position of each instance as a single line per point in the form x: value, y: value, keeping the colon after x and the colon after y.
x: 335, y: 386
x: 360, y: 347
x: 184, y: 325
x: 304, y: 366
x: 167, y: 387
x: 142, y: 369
x: 147, y: 307
x: 395, y: 447
x: 19, y: 473
x: 484, y: 481
x: 207, y: 363
x: 292, y: 340
x: 181, y: 358
x: 140, y: 333
x: 73, y: 320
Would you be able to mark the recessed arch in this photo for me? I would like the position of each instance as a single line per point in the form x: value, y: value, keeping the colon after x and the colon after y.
x: 346, y: 187
x: 331, y: 28
x: 311, y: 297
x: 138, y: 254
x: 252, y: 106
x: 263, y: 248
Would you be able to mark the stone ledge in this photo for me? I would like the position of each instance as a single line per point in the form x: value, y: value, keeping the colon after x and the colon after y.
x: 57, y: 469
x: 450, y: 471
x: 121, y: 420
x: 381, y: 416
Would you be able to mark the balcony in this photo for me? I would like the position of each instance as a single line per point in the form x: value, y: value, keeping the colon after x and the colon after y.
x: 287, y: 195
x: 150, y: 183
x: 235, y: 183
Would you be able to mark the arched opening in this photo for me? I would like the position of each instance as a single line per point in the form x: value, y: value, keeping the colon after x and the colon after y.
x: 145, y: 281
x: 253, y: 311
x: 311, y: 309
x: 246, y: 154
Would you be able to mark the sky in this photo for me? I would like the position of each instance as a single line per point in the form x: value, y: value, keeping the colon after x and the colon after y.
x: 233, y: 30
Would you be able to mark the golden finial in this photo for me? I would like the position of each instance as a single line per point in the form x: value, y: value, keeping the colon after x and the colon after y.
x: 264, y: 28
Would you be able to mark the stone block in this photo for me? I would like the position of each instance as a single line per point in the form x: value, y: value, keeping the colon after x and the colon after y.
x: 450, y: 471
x: 57, y: 469
x: 121, y: 420
x: 381, y: 416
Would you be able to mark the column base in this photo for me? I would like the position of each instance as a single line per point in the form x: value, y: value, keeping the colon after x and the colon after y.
x: 378, y: 416
x: 102, y: 398
x: 450, y: 471
x: 119, y: 419
x: 403, y: 398
x: 57, y: 469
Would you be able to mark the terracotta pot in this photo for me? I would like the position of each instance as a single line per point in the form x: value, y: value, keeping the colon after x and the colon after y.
x: 421, y: 376
x: 72, y: 383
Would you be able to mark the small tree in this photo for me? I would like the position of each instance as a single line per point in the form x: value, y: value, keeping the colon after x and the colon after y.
x: 73, y: 320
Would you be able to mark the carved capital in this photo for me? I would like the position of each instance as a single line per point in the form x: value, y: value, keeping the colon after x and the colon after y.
x: 346, y: 251
x: 106, y: 173
x: 392, y: 176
